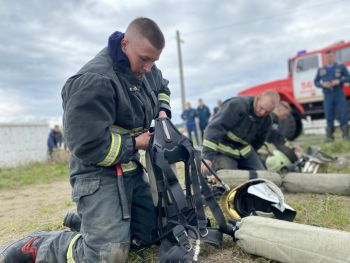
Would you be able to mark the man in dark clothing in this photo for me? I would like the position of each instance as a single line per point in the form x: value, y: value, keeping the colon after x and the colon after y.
x: 108, y: 108
x: 217, y: 107
x: 54, y: 140
x: 276, y: 137
x: 238, y: 130
x: 189, y: 116
x: 203, y: 114
x: 330, y: 78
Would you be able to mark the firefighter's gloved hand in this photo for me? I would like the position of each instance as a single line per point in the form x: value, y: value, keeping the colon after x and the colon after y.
x: 204, y: 169
x: 142, y: 141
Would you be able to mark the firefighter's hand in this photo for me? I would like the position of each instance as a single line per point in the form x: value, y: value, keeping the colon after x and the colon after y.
x: 142, y: 141
x: 204, y: 169
x: 327, y: 85
x: 162, y: 114
x: 335, y: 82
x: 297, y: 150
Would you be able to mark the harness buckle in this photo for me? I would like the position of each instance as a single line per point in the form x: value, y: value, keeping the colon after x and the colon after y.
x: 181, y: 237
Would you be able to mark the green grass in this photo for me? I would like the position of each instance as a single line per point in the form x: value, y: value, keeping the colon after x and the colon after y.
x: 45, y: 172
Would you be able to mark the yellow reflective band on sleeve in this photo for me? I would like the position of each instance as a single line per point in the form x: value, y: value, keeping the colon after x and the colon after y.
x: 164, y: 97
x: 113, y: 151
x: 70, y: 258
x: 235, y: 152
x: 128, y: 167
x: 235, y: 138
x: 210, y: 145
x: 288, y: 144
x: 226, y: 149
x: 246, y: 150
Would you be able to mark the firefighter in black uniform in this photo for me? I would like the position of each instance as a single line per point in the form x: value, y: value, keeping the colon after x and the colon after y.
x: 108, y: 108
x: 276, y: 137
x: 238, y: 131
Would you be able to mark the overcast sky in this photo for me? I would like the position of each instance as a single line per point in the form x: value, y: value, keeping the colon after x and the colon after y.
x: 227, y: 45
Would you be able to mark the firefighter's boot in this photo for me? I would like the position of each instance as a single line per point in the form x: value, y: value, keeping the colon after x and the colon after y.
x: 329, y: 134
x: 73, y: 221
x: 24, y: 250
x: 345, y: 130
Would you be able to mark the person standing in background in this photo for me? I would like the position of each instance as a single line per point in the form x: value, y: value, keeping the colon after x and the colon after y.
x: 330, y: 78
x: 54, y: 140
x: 203, y: 114
x: 217, y: 107
x: 189, y: 116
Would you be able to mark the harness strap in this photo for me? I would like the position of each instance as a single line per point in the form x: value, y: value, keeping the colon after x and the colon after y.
x: 216, y: 210
x: 253, y: 174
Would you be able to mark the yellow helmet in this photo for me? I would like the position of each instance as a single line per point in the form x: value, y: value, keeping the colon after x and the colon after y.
x: 256, y: 197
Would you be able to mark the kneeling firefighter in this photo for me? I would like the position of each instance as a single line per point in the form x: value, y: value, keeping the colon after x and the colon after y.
x: 234, y: 135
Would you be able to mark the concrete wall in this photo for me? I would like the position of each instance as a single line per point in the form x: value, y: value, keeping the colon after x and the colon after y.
x: 23, y: 143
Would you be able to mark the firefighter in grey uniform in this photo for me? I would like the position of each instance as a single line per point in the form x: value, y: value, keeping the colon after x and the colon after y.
x: 108, y: 107
x: 238, y: 131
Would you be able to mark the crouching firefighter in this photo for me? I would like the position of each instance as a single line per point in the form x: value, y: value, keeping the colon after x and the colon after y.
x: 108, y: 107
x: 238, y: 131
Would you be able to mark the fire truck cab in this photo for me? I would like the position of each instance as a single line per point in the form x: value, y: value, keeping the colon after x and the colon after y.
x: 298, y: 88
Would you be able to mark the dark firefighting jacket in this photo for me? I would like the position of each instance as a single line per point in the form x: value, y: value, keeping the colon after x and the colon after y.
x: 105, y: 107
x: 236, y: 130
x: 277, y: 138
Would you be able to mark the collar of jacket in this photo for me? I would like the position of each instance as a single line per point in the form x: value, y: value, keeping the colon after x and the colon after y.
x: 115, y: 50
x: 121, y: 62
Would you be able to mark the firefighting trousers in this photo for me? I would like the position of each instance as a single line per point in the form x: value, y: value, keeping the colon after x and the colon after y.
x: 251, y: 162
x: 335, y: 105
x: 104, y: 235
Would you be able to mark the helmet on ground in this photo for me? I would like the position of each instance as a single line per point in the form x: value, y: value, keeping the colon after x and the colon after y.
x: 259, y: 197
x: 276, y: 161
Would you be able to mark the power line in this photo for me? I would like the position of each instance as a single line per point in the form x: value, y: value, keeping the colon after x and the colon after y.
x: 285, y: 13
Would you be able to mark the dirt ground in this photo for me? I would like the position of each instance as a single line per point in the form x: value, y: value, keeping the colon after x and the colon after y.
x: 23, y: 210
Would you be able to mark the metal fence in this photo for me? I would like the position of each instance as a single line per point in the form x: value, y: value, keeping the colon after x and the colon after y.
x: 23, y: 143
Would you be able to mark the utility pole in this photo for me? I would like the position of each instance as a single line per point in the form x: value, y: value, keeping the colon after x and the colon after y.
x: 182, y: 85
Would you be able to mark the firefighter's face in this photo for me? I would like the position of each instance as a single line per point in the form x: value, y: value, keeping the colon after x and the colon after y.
x: 264, y: 105
x: 141, y: 54
x: 330, y: 58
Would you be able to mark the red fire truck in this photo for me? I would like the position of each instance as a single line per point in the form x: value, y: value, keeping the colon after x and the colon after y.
x: 298, y: 88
